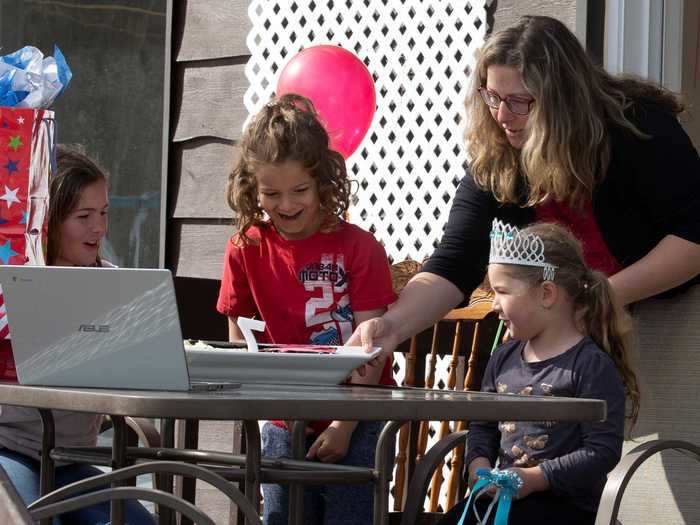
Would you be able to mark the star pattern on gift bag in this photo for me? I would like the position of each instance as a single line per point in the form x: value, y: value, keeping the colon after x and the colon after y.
x: 6, y: 252
x: 10, y: 196
x: 19, y: 128
x: 11, y: 166
x: 15, y: 142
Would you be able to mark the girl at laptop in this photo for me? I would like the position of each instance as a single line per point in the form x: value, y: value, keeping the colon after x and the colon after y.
x: 78, y: 205
x: 311, y: 276
x: 568, y: 340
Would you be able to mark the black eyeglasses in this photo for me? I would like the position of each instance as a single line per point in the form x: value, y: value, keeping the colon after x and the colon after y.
x: 517, y: 106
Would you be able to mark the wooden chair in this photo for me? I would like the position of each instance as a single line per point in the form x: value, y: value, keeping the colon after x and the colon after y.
x: 466, y: 335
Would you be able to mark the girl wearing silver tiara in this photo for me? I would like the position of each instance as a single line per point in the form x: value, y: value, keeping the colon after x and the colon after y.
x: 568, y: 339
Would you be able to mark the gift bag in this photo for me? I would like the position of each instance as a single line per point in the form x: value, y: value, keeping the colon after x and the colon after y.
x: 26, y: 157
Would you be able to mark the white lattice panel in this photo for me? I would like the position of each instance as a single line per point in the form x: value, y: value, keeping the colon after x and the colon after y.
x: 420, y: 54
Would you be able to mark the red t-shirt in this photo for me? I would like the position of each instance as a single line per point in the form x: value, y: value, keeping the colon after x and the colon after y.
x: 307, y: 290
x: 583, y: 225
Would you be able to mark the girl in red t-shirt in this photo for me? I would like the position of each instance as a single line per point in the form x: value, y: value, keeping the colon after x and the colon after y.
x: 311, y: 276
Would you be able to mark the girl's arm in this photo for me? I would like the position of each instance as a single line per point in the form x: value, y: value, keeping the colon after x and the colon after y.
x: 234, y: 333
x: 333, y: 443
x: 669, y: 264
x: 484, y: 438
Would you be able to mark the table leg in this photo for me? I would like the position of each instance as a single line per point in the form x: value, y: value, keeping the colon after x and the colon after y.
x: 296, y: 490
x: 252, y: 462
x: 189, y: 484
x: 165, y: 481
x: 47, y: 472
x: 384, y: 466
x: 118, y: 461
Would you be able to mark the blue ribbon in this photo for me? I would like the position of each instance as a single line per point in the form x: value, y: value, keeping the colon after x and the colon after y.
x: 507, y: 485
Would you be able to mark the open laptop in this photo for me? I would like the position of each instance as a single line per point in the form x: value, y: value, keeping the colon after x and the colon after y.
x: 97, y: 327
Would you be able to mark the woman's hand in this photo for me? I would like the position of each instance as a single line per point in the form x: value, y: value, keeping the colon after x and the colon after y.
x: 332, y: 444
x: 375, y: 332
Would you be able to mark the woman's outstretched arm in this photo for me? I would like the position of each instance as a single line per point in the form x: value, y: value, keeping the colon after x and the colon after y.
x: 424, y: 301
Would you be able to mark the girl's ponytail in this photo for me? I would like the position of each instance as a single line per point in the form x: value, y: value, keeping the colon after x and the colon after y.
x: 610, y: 327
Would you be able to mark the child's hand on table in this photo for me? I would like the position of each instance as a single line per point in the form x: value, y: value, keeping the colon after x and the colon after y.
x: 333, y: 443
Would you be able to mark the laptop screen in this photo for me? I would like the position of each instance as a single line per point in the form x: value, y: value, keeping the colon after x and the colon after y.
x: 94, y: 327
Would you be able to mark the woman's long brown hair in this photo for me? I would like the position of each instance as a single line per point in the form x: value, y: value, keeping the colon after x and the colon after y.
x: 567, y: 151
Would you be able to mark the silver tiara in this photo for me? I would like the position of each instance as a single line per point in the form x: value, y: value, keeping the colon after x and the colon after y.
x: 510, y: 246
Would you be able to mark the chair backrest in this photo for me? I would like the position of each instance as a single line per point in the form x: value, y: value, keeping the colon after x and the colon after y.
x: 465, y: 338
x: 196, y: 303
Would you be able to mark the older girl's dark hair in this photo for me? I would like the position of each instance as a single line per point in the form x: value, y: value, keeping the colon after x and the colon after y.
x: 287, y: 128
x: 601, y: 318
x: 74, y: 172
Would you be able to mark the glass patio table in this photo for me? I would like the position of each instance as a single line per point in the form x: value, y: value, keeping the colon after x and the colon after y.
x: 254, y: 402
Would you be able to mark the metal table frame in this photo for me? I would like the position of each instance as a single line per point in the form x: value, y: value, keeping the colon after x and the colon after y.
x: 255, y: 402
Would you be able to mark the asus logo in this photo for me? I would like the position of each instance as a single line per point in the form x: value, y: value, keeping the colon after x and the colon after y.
x: 102, y: 328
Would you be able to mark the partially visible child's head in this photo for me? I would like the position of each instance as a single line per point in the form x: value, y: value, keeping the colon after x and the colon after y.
x: 585, y: 292
x: 78, y: 204
x: 287, y: 170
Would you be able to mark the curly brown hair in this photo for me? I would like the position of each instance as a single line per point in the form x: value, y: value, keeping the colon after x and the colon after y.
x: 74, y: 172
x: 286, y: 129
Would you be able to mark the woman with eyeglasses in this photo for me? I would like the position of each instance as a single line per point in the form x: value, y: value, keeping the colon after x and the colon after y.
x: 553, y: 137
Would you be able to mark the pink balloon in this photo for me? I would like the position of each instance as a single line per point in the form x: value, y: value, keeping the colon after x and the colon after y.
x: 341, y: 88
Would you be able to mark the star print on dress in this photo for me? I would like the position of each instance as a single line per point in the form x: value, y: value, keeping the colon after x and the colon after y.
x: 20, y: 120
x: 6, y: 252
x: 10, y: 196
x: 11, y: 166
x: 15, y: 142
